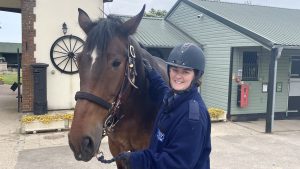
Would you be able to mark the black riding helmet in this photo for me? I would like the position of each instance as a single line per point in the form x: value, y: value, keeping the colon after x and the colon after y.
x: 188, y: 55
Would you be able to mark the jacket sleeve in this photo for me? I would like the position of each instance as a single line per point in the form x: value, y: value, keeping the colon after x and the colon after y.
x: 182, y: 151
x: 157, y: 87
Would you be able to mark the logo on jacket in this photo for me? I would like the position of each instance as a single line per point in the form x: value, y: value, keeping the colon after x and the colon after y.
x: 160, y: 136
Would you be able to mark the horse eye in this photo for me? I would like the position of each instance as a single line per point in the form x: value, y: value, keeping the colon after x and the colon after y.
x: 116, y: 63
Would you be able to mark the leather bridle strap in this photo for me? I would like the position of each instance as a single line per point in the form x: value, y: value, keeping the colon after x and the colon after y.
x: 93, y: 98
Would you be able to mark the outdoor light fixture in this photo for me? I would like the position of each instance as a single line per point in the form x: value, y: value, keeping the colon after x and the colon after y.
x: 200, y: 16
x: 64, y: 28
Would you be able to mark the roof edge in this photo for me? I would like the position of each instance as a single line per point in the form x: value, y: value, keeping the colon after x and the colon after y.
x: 172, y: 9
x: 16, y: 10
x: 230, y: 24
x: 287, y: 46
x: 185, y: 34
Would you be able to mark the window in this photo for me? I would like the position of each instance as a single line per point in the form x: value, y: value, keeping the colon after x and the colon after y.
x: 295, y: 69
x: 250, y: 66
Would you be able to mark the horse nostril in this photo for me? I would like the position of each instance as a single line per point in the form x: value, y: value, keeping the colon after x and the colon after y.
x: 79, y: 157
x: 87, y: 146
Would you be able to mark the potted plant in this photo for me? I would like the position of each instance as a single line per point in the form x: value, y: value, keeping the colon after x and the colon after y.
x: 1, y: 80
x: 46, y: 122
x: 217, y: 114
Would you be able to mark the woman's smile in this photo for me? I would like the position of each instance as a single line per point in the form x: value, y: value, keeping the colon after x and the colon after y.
x: 181, y: 78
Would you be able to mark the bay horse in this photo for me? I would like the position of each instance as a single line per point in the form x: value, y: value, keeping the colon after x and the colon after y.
x: 114, y: 93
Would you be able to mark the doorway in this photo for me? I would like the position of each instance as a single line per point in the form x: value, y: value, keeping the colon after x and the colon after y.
x: 294, y: 87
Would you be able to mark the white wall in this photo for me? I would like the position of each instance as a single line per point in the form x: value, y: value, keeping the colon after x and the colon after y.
x: 50, y: 15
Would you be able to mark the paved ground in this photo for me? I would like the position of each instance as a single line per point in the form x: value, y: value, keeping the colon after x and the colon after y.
x: 239, y: 145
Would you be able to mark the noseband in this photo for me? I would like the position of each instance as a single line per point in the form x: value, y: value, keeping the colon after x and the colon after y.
x: 113, y: 108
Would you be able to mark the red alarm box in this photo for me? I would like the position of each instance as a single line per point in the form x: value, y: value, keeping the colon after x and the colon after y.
x: 243, y: 94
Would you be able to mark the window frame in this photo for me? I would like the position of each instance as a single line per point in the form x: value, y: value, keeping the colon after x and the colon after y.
x: 254, y: 76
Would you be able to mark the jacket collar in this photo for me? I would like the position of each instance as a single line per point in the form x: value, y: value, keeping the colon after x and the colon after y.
x: 172, y: 99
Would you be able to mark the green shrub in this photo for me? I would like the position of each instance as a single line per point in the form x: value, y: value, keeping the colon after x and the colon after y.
x: 216, y: 112
x: 10, y: 78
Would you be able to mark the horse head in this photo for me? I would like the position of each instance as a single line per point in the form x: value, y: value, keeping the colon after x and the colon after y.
x: 105, y: 63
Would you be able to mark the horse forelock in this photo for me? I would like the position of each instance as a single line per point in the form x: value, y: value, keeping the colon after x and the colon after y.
x: 96, y: 45
x: 101, y: 34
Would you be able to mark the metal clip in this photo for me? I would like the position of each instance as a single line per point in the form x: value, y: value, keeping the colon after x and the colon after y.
x: 131, y: 49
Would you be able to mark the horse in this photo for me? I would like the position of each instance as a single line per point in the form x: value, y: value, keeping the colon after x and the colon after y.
x: 114, y: 96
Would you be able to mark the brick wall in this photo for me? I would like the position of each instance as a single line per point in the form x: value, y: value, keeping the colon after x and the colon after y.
x: 28, y: 48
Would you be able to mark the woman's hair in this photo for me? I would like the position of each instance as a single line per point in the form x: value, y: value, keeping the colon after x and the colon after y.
x: 197, y: 81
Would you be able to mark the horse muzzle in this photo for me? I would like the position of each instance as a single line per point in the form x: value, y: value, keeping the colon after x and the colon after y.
x: 86, y: 151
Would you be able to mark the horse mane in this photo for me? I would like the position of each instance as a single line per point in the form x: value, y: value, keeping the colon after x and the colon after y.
x: 102, y: 32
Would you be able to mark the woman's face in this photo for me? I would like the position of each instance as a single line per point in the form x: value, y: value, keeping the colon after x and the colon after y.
x: 181, y: 78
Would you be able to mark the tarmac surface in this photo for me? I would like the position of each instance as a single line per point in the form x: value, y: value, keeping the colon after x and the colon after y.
x: 236, y: 145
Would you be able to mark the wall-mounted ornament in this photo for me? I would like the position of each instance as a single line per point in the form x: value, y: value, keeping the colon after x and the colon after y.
x: 64, y: 52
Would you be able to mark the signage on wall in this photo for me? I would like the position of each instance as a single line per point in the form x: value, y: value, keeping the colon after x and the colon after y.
x: 240, y: 73
x: 278, y: 87
x: 264, y: 87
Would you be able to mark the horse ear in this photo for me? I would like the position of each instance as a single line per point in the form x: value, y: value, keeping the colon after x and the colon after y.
x: 129, y: 27
x: 84, y: 21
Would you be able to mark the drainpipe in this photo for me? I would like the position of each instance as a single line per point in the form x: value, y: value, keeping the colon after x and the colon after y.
x: 275, y: 55
x: 230, y: 85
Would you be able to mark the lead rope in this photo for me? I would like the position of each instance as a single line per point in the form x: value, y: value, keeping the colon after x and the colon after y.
x: 100, y: 157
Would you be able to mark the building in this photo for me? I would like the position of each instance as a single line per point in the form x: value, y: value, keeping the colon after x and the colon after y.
x: 9, y: 51
x: 240, y: 42
x: 42, y: 24
x: 252, y: 45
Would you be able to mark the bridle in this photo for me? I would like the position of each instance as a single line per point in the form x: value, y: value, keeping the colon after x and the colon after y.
x: 113, y: 108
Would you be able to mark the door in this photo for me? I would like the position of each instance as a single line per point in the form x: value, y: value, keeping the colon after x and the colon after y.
x: 294, y: 92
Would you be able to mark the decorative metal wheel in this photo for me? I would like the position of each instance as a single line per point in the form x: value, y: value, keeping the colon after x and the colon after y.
x: 64, y: 52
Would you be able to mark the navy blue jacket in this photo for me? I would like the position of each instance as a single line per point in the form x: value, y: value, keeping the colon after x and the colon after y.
x: 181, y: 133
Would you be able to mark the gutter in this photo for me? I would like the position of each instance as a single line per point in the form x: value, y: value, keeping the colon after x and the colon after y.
x: 275, y: 55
